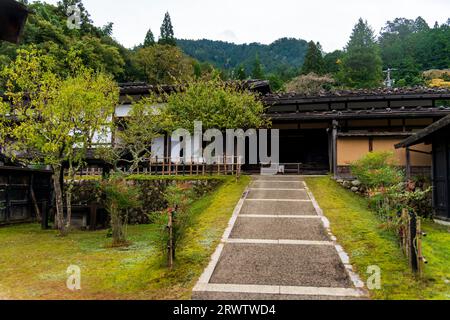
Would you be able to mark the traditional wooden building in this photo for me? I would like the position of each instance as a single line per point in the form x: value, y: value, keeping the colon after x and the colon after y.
x: 326, y: 132
x: 437, y: 136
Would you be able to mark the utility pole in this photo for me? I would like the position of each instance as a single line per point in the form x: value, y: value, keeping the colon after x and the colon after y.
x: 389, y: 82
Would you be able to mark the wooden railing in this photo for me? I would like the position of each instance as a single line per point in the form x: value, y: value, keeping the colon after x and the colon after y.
x: 168, y: 166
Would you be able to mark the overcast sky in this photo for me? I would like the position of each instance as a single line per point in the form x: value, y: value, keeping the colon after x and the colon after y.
x: 243, y: 21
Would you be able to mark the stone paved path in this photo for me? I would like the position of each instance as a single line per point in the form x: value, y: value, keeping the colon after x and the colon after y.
x: 278, y: 246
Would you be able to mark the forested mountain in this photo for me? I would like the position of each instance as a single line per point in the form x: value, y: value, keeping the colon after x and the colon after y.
x: 409, y: 46
x: 282, y: 56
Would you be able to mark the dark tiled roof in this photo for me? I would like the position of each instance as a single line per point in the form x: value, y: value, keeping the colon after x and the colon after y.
x: 142, y: 88
x: 363, y: 94
x: 422, y: 135
x: 362, y: 114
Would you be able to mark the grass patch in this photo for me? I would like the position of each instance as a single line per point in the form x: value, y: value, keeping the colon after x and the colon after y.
x: 34, y: 262
x: 359, y: 231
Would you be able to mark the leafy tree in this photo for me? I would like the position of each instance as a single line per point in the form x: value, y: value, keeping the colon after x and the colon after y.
x: 120, y: 197
x: 215, y: 103
x: 47, y: 119
x: 276, y: 83
x: 135, y: 134
x: 149, y: 39
x: 86, y: 22
x: 100, y: 56
x: 167, y: 35
x: 257, y: 71
x: 164, y: 64
x: 46, y: 29
x: 361, y: 64
x: 313, y: 60
x: 107, y: 29
x: 332, y: 61
x: 240, y: 73
x: 420, y: 25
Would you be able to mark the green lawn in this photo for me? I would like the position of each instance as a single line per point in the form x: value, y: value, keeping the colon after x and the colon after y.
x: 34, y: 262
x: 359, y: 231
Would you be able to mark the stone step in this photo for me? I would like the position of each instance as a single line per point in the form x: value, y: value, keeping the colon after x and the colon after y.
x: 277, y: 178
x: 277, y: 208
x: 281, y: 265
x: 278, y: 194
x: 240, y: 296
x: 279, y: 228
x: 278, y: 185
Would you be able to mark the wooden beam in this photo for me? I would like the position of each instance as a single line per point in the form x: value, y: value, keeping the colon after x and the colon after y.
x: 420, y: 151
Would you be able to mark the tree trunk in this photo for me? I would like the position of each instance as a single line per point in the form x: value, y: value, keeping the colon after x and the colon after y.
x: 69, y: 195
x: 69, y: 205
x: 59, y: 217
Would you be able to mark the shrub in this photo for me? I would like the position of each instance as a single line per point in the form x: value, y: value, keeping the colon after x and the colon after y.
x: 310, y: 84
x: 120, y: 196
x: 178, y: 198
x: 389, y: 202
x: 377, y: 170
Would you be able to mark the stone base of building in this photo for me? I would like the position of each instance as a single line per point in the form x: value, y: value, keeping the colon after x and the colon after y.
x: 344, y: 172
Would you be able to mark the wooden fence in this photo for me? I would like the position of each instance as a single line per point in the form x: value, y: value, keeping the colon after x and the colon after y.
x: 411, y: 239
x: 167, y: 166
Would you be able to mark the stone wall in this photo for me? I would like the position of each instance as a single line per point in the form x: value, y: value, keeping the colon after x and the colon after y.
x: 86, y: 192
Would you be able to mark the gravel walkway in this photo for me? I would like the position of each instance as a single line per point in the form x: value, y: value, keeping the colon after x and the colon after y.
x: 278, y: 246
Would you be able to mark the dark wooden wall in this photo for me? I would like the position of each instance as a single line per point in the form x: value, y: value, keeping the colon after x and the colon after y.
x: 16, y: 202
x: 441, y: 175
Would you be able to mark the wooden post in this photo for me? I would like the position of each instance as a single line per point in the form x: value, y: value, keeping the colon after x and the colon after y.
x: 408, y: 164
x: 44, y: 220
x: 34, y: 200
x: 218, y: 165
x: 170, y: 244
x: 413, y: 243
x: 93, y: 217
x: 334, y: 147
x: 404, y: 231
x: 232, y: 165
x: 420, y: 258
x: 225, y: 169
